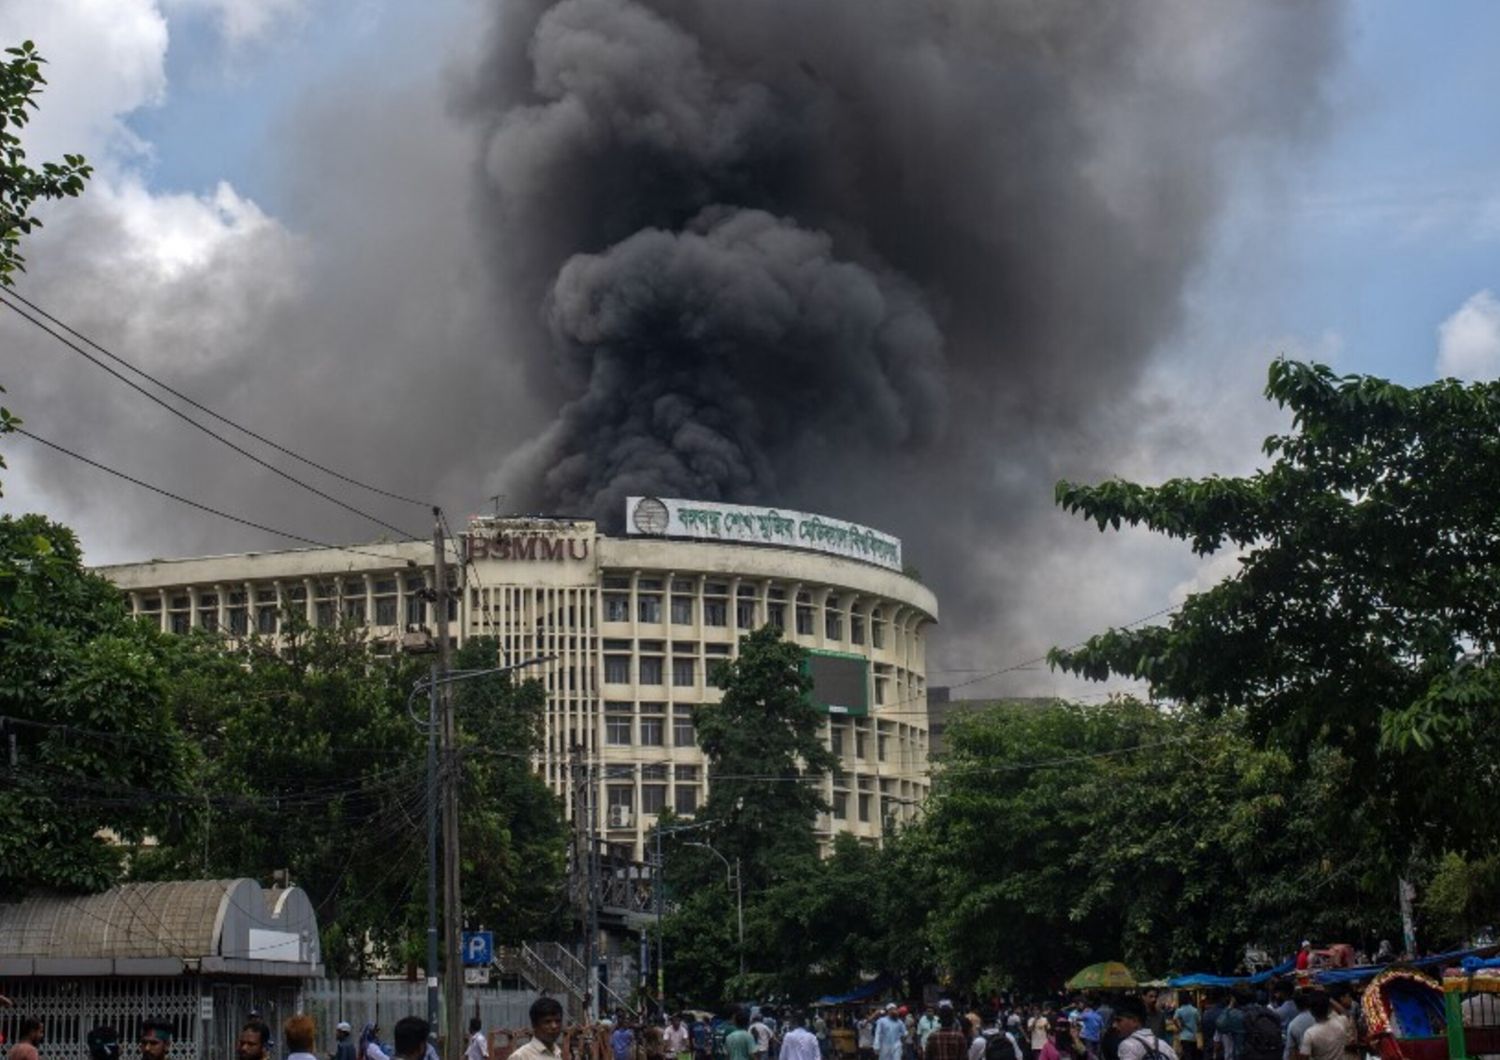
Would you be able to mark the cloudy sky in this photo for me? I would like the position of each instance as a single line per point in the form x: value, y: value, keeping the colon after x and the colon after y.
x: 290, y: 222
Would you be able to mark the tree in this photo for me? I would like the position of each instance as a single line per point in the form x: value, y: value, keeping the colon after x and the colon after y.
x: 1060, y: 835
x: 765, y: 755
x: 1364, y: 614
x: 21, y: 186
x: 309, y: 761
x: 83, y: 696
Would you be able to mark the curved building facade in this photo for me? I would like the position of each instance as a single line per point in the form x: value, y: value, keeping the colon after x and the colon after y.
x: 630, y: 628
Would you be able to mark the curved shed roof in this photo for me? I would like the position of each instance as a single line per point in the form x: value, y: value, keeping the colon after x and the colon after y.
x: 162, y: 928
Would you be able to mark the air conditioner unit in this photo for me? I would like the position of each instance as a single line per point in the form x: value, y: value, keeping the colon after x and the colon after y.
x: 621, y: 817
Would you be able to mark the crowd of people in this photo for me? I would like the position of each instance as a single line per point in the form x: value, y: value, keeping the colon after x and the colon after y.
x: 1286, y: 1024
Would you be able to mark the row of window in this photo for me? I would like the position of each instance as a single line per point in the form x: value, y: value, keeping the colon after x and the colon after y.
x: 332, y: 603
x: 621, y: 799
x: 622, y: 728
x: 681, y: 610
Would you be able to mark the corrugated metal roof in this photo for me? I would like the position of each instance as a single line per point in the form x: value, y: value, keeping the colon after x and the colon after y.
x: 186, y: 919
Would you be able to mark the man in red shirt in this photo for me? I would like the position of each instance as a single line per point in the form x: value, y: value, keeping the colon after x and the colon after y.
x: 1304, y: 955
x: 28, y: 1036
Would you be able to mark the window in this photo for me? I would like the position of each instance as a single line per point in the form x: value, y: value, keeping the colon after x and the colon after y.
x: 859, y: 743
x: 326, y: 615
x: 776, y: 615
x: 684, y: 671
x: 804, y: 621
x: 880, y: 741
x: 682, y: 727
x: 685, y: 800
x: 385, y: 610
x: 652, y: 728
x: 621, y: 796
x: 617, y: 581
x: 857, y: 629
x: 653, y: 798
x: 879, y: 690
x: 744, y: 614
x: 617, y: 730
x: 686, y: 774
x: 265, y: 596
x: 648, y: 608
x: 682, y: 610
x: 653, y: 771
x: 877, y: 630
x: 151, y: 603
x: 651, y: 670
x: 864, y: 806
x: 239, y: 621
x: 617, y: 669
x: 265, y: 619
x: 833, y: 625
x: 836, y: 739
x: 715, y: 613
x: 840, y: 805
x: 354, y: 609
x: 616, y: 607
x: 649, y: 585
x: 416, y: 604
x: 181, y: 622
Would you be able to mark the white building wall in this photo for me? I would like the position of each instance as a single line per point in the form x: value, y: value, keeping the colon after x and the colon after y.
x: 629, y: 629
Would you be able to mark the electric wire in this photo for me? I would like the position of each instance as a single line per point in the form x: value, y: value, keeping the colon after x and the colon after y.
x: 24, y: 315
x: 288, y: 534
x: 64, y: 325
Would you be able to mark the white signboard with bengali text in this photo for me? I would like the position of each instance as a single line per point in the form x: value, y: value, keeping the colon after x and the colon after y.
x: 738, y: 523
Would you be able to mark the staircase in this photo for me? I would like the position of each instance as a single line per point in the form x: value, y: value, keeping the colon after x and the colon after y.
x: 552, y: 968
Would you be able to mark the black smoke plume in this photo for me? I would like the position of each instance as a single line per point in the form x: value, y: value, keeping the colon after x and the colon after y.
x: 886, y: 258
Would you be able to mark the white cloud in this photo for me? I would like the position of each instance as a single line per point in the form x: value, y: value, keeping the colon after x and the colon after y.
x: 105, y: 58
x: 1469, y: 340
x: 242, y: 21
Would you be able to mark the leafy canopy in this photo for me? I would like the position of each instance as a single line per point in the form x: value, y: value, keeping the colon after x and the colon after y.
x: 1364, y: 615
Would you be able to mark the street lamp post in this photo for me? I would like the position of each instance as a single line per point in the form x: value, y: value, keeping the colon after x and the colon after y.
x: 659, y: 888
x: 430, y: 685
x: 734, y: 876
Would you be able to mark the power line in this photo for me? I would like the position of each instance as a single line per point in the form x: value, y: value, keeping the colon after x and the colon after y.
x: 203, y: 507
x: 204, y: 408
x: 247, y: 454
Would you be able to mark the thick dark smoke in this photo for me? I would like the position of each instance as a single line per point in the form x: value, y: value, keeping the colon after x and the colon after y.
x: 889, y: 258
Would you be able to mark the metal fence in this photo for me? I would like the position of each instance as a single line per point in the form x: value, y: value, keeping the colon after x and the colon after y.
x: 384, y: 1001
x: 70, y: 1008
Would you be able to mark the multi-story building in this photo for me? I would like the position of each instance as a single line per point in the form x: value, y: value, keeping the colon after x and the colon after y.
x: 628, y: 628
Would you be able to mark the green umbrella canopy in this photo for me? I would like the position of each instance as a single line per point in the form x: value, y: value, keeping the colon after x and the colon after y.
x: 1110, y: 975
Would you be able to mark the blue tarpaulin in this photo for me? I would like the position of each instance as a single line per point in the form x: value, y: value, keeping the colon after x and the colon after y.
x: 1370, y: 971
x: 1204, y: 979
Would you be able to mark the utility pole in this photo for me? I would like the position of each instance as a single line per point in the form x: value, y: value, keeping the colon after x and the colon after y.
x: 583, y: 864
x: 453, y: 967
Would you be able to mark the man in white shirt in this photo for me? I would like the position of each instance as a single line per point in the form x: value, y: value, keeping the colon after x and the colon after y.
x: 675, y: 1039
x: 799, y: 1043
x: 546, y: 1028
x: 479, y: 1048
x: 1138, y: 1042
x: 762, y: 1035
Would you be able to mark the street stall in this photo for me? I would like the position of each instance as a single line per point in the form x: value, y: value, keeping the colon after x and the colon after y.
x: 1403, y: 1016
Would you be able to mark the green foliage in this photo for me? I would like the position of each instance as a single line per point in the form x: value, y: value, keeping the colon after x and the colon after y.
x: 765, y: 754
x: 1369, y: 568
x: 82, y: 689
x: 22, y: 186
x: 310, y: 761
x: 1062, y: 835
x: 1460, y: 899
